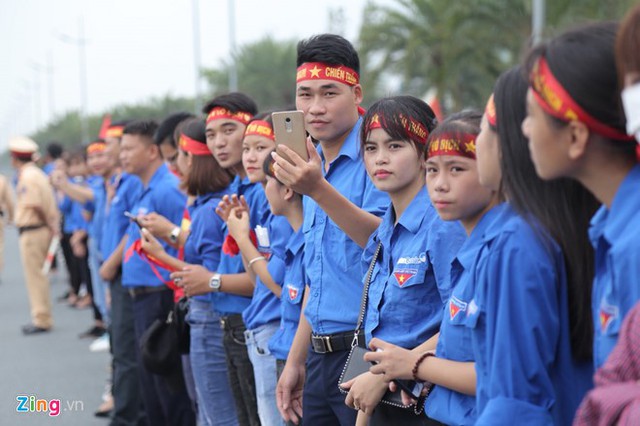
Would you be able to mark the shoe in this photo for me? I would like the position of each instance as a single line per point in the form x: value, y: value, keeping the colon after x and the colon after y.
x: 101, y: 344
x: 95, y: 332
x: 83, y: 302
x: 64, y: 297
x: 33, y: 329
x: 104, y: 410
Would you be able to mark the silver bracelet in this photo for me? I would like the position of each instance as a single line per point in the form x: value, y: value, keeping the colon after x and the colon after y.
x: 255, y: 259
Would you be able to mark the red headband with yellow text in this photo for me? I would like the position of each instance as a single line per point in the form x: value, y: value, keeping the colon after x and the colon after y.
x: 460, y: 144
x: 320, y: 71
x: 96, y: 147
x: 415, y: 130
x: 260, y: 128
x: 114, y: 132
x: 192, y: 146
x: 219, y: 113
x: 556, y: 101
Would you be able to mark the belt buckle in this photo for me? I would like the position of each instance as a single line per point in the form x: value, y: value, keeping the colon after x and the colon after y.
x: 326, y: 340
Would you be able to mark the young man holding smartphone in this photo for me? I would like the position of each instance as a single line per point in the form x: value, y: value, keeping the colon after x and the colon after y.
x: 152, y: 299
x: 341, y: 210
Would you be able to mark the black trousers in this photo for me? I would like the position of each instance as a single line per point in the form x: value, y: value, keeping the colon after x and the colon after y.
x: 128, y: 407
x: 240, y: 370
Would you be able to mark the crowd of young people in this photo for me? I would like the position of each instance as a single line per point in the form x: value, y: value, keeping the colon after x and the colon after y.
x: 500, y: 247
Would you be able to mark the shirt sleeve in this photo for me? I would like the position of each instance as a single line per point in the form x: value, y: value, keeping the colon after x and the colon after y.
x: 522, y: 328
x: 210, y: 236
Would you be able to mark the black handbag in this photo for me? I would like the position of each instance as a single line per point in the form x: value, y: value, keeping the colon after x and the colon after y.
x: 180, y: 311
x: 356, y: 365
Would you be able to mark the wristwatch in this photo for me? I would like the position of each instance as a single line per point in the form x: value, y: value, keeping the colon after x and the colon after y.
x: 215, y: 282
x: 173, y: 236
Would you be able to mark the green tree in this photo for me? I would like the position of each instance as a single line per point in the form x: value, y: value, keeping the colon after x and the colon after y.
x: 266, y: 71
x: 66, y: 129
x: 459, y: 48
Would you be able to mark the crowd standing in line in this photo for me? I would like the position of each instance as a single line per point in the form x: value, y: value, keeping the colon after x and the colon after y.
x: 500, y: 248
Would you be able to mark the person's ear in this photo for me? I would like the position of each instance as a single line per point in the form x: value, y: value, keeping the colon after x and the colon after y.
x: 577, y: 139
x: 288, y: 193
x: 358, y: 94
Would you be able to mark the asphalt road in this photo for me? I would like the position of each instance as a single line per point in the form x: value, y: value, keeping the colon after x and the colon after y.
x: 52, y: 366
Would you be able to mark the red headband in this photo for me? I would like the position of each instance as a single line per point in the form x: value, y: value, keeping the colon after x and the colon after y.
x: 490, y: 112
x: 461, y: 144
x: 192, y: 146
x: 114, y: 132
x: 260, y: 128
x: 320, y: 71
x: 415, y: 130
x: 556, y: 101
x: 219, y: 113
x: 96, y: 147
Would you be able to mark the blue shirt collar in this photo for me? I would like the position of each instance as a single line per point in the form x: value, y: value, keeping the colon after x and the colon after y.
x: 466, y: 255
x: 411, y: 218
x: 157, y: 177
x: 202, y: 199
x: 351, y: 146
x: 624, y: 207
x: 295, y: 242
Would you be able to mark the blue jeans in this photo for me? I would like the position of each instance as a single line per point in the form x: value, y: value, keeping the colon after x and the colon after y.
x: 264, y: 371
x: 99, y: 285
x: 215, y: 400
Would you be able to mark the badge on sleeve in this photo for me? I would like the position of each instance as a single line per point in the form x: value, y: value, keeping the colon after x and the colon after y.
x: 456, y: 305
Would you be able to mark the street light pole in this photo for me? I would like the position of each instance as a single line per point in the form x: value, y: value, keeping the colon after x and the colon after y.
x: 233, y: 70
x: 537, y: 20
x: 197, y: 65
x: 81, y: 42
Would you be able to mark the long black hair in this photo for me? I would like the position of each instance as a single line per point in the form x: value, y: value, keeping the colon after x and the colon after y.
x: 563, y: 206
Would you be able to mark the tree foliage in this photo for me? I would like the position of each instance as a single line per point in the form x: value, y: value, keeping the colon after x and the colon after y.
x: 266, y: 71
x: 459, y: 48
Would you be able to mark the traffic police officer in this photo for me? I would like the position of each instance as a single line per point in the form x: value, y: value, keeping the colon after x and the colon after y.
x: 37, y: 219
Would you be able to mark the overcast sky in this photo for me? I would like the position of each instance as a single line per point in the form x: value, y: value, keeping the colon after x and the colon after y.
x: 135, y: 49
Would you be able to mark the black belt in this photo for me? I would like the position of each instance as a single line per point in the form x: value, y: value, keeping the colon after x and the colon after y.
x: 22, y: 229
x: 230, y: 322
x: 139, y: 291
x: 335, y: 342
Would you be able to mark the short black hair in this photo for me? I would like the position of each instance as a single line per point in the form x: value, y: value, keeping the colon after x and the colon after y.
x: 392, y: 112
x: 330, y: 49
x: 146, y: 128
x: 234, y: 102
x: 457, y: 124
x: 54, y: 149
x: 167, y: 127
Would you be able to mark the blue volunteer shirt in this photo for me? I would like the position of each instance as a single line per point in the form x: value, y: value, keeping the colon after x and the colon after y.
x: 332, y: 259
x: 520, y: 329
x: 291, y: 297
x: 204, y: 243
x: 127, y: 190
x: 410, y: 281
x: 616, y: 285
x: 227, y: 303
x: 454, y: 343
x: 96, y: 184
x: 163, y: 197
x: 265, y: 305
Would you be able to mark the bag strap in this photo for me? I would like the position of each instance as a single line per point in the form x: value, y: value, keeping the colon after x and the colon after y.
x: 365, y: 293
